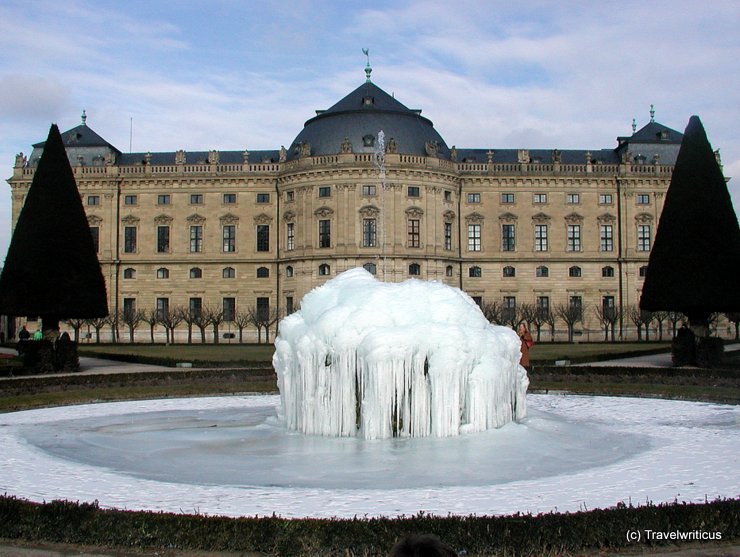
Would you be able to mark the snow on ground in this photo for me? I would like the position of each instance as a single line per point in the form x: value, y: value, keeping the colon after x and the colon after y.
x: 177, y: 455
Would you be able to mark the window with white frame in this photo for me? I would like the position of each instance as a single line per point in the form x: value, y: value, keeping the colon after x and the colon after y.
x: 643, y: 237
x: 448, y: 235
x: 542, y: 272
x: 540, y: 237
x: 507, y: 198
x: 539, y: 198
x: 508, y: 238
x: 369, y: 191
x: 574, y: 271
x: 475, y: 272
x: 474, y: 237
x: 474, y: 197
x: 642, y: 199
x: 228, y: 273
x: 196, y: 238
x: 324, y: 233
x: 369, y: 233
x: 574, y: 237
x: 606, y: 199
x: 290, y: 237
x: 606, y: 241
x: 509, y: 272
x: 573, y: 198
x: 229, y: 238
x: 163, y: 239
x: 414, y: 233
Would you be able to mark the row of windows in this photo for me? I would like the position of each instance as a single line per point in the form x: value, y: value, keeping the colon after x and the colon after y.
x: 228, y: 237
x: 371, y: 191
x: 195, y: 307
x: 540, y: 272
x: 570, y: 198
x: 166, y: 199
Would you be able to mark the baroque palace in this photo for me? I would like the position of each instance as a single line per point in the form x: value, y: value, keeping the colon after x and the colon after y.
x: 242, y: 229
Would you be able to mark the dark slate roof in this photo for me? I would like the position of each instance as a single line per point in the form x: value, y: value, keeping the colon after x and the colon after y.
x: 544, y: 156
x: 654, y: 132
x: 199, y: 157
x: 81, y: 136
x: 365, y: 112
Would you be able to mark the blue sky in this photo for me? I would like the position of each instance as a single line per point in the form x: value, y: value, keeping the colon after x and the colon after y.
x: 239, y: 75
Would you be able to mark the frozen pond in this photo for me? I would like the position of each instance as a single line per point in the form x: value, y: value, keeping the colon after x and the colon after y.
x: 229, y: 455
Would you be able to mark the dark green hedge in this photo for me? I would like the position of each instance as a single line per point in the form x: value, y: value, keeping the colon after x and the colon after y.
x: 516, y: 535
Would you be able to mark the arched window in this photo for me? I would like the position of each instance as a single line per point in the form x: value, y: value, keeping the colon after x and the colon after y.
x: 542, y: 272
x: 574, y: 271
x: 324, y: 270
x: 370, y: 268
x: 509, y: 271
x: 475, y: 272
x: 196, y: 273
x: 228, y: 272
x: 448, y: 271
x: 129, y: 273
x: 643, y: 271
x: 163, y: 273
x: 289, y: 271
x: 607, y: 271
x: 263, y: 272
x: 415, y: 269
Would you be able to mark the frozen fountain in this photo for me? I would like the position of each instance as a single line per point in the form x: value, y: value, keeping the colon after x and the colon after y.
x: 370, y: 359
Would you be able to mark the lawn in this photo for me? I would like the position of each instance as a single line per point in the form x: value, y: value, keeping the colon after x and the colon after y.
x: 240, y: 354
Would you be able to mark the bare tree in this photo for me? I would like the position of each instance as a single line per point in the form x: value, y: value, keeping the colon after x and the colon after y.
x: 194, y: 316
x: 112, y: 320
x: 545, y: 317
x: 528, y: 314
x: 242, y: 320
x: 214, y: 316
x: 640, y: 318
x: 132, y: 318
x: 150, y: 316
x: 492, y: 311
x: 660, y: 317
x: 263, y: 318
x: 570, y: 314
x: 97, y: 323
x: 608, y: 316
x: 170, y: 319
x: 76, y: 325
x: 674, y: 317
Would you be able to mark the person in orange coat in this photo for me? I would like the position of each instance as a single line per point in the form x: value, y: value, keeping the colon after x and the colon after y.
x: 527, y: 343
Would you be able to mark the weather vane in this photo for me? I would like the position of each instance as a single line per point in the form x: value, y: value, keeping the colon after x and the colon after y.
x: 368, y: 69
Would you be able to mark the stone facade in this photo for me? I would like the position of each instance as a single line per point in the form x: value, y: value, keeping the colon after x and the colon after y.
x: 236, y: 229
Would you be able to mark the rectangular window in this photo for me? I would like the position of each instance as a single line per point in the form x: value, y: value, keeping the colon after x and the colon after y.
x: 263, y: 198
x: 129, y: 306
x: 229, y: 238
x: 196, y: 307
x: 473, y: 198
x: 93, y: 200
x: 369, y: 233
x: 163, y: 199
x: 643, y: 199
x: 507, y: 198
x: 229, y: 198
x: 95, y: 233
x: 508, y: 242
x: 509, y: 308
x: 263, y: 308
x: 325, y: 191
x: 574, y: 237
x: 539, y: 198
x: 605, y: 199
x: 263, y: 237
x: 196, y: 199
x: 474, y: 237
x: 163, y: 307
x: 607, y: 237
x: 448, y: 195
x: 229, y: 306
x: 163, y: 239
x: 289, y: 195
x: 540, y: 237
x: 290, y: 237
x: 414, y: 236
x: 130, y: 200
x: 543, y: 303
x: 368, y: 191
x: 413, y: 191
x: 643, y: 237
x: 325, y: 233
x: 448, y: 235
x: 129, y: 239
x: 196, y: 239
x: 573, y: 198
x: 576, y: 302
x: 289, y: 305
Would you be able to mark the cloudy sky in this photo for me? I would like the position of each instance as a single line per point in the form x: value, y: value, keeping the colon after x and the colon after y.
x: 230, y: 74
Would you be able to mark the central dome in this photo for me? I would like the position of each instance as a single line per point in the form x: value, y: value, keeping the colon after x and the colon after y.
x: 358, y: 118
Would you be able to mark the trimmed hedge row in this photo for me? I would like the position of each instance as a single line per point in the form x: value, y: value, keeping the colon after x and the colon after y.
x: 515, y: 535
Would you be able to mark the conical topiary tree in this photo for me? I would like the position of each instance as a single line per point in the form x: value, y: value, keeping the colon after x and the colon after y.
x: 51, y: 269
x: 695, y: 262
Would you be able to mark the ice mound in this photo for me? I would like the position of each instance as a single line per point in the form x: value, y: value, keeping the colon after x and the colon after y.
x: 375, y: 359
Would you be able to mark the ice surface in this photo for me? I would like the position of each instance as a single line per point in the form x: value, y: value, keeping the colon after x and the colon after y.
x: 634, y: 450
x: 376, y: 360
